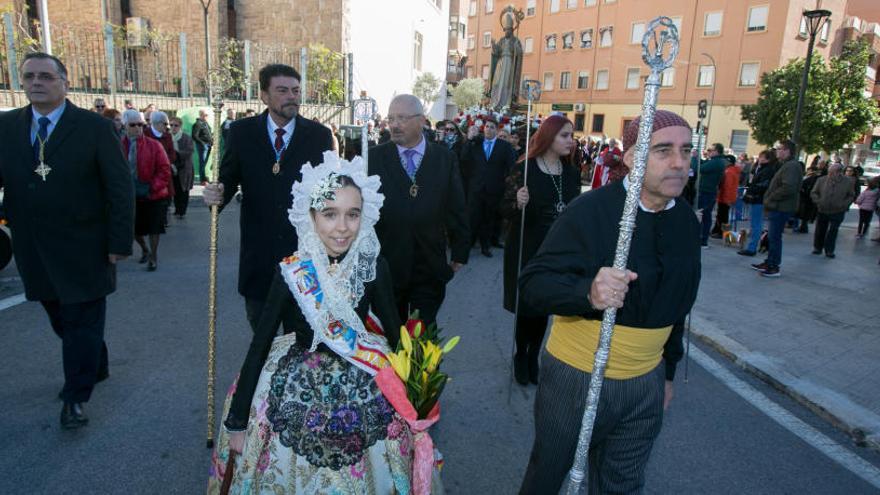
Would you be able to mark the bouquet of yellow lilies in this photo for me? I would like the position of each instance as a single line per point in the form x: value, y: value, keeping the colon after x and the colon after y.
x: 417, y: 364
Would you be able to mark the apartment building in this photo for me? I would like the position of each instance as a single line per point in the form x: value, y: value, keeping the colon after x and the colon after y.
x: 587, y: 54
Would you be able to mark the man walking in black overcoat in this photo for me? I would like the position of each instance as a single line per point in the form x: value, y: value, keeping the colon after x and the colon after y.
x: 491, y: 160
x: 424, y: 204
x: 69, y: 198
x: 264, y: 155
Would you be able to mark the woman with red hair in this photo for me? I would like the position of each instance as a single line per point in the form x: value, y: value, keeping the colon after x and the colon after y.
x: 553, y: 182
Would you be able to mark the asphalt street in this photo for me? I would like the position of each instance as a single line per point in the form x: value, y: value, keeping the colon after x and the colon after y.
x: 147, y: 432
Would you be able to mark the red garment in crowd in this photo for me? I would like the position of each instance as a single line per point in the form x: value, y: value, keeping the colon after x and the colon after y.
x: 153, y: 166
x: 729, y: 184
x: 613, y: 159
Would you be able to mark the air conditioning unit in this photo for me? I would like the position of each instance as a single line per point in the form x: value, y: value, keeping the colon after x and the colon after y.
x: 579, y: 107
x: 137, y: 32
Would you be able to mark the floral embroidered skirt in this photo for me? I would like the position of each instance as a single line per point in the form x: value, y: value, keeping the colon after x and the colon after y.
x: 317, y: 425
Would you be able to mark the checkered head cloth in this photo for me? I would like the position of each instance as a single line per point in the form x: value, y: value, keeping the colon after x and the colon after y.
x: 662, y: 118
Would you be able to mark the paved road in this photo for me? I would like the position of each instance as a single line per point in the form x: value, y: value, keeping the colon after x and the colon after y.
x: 148, y: 431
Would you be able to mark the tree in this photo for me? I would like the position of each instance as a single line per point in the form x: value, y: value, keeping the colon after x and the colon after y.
x: 427, y: 88
x: 468, y: 93
x: 836, y: 112
x: 324, y: 75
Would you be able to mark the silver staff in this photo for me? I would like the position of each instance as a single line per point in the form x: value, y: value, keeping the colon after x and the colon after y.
x: 364, y: 110
x: 532, y: 90
x: 652, y: 54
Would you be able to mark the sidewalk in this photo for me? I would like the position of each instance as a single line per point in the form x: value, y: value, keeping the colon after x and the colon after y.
x: 814, y: 333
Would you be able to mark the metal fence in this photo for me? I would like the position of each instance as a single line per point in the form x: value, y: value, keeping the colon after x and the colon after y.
x: 168, y: 69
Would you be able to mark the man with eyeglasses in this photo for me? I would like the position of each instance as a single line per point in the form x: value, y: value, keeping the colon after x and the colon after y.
x: 780, y: 203
x: 69, y: 199
x: 424, y: 205
x: 264, y: 155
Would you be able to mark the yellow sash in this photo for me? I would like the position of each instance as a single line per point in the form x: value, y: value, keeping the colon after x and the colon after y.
x: 634, y: 351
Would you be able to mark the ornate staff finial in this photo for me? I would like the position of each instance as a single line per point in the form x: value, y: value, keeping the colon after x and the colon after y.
x: 532, y: 89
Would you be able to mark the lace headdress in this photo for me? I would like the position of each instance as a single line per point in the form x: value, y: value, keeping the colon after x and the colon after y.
x: 342, y: 287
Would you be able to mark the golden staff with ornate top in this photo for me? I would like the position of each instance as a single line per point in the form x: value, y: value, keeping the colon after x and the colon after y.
x: 653, y: 55
x: 220, y: 83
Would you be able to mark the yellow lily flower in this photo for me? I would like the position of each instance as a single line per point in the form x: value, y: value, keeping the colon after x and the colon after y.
x: 433, y: 353
x: 401, y: 364
x: 405, y: 340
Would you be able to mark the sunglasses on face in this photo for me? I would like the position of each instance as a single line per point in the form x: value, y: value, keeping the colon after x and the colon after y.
x: 137, y: 124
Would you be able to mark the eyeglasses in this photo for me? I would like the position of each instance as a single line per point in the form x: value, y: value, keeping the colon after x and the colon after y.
x: 450, y: 129
x: 136, y: 124
x: 42, y: 77
x: 401, y: 118
x: 100, y: 106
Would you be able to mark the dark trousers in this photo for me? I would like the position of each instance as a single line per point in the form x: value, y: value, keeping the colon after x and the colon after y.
x: 721, y: 219
x: 425, y: 294
x: 484, y: 219
x: 825, y: 236
x: 181, y: 197
x: 775, y: 225
x: 706, y: 204
x: 628, y: 421
x: 865, y: 217
x: 530, y: 331
x: 84, y: 353
x: 204, y: 151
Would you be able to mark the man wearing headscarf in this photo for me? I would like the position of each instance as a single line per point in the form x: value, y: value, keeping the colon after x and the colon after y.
x: 570, y: 278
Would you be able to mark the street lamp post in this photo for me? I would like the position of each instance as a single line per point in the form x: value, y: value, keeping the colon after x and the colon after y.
x: 815, y: 19
x: 206, y: 4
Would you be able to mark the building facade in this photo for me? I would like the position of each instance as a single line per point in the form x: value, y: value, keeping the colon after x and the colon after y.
x: 587, y: 54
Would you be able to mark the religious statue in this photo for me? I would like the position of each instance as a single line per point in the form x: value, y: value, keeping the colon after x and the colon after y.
x: 506, y: 68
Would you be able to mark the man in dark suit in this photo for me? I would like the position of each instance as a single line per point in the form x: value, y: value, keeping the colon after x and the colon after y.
x: 69, y: 199
x: 424, y: 204
x: 264, y: 155
x: 491, y: 160
x: 204, y: 139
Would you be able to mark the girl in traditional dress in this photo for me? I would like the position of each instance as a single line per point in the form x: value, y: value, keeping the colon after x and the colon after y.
x: 306, y: 415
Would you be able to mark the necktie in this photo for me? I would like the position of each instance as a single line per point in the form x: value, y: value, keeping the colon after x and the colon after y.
x: 487, y: 147
x: 42, y: 136
x: 279, y: 140
x: 410, y: 163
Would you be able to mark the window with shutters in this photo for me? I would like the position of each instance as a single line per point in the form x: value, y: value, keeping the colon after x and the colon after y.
x: 568, y: 40
x: 583, y: 80
x: 530, y: 8
x: 638, y: 31
x: 550, y: 42
x: 565, y: 80
x: 587, y: 38
x: 554, y: 6
x: 739, y: 141
x: 605, y: 34
x: 706, y: 77
x: 667, y: 78
x: 548, y: 81
x: 602, y: 79
x: 598, y: 123
x: 748, y: 74
x: 758, y: 18
x: 528, y: 45
x: 632, y: 78
x: 712, y: 24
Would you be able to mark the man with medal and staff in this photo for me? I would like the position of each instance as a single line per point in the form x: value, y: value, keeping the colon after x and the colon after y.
x: 69, y: 199
x: 264, y: 155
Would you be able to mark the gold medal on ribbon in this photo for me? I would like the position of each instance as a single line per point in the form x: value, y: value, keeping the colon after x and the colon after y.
x: 276, y: 169
x: 414, y: 191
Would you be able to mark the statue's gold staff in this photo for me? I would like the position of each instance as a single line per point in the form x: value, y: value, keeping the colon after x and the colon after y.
x: 652, y: 54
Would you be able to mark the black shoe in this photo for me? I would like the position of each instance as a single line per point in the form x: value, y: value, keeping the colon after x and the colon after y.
x: 151, y: 266
x: 715, y: 236
x: 760, y: 266
x: 817, y: 251
x: 72, y: 416
x: 745, y: 252
x: 486, y: 253
x: 521, y: 369
x: 145, y: 256
x: 829, y: 255
x: 772, y: 271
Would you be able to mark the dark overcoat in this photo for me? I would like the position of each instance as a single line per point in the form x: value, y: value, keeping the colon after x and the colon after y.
x: 63, y: 228
x: 415, y: 229
x: 266, y: 233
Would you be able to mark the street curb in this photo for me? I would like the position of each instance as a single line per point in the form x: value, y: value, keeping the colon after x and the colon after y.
x: 862, y: 425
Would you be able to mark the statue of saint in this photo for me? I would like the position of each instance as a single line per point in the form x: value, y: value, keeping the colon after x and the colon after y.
x: 506, y: 68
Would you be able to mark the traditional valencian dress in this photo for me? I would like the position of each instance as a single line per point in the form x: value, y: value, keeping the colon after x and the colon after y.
x: 315, y: 421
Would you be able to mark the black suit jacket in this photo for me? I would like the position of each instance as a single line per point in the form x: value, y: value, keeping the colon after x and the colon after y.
x: 414, y: 230
x: 486, y: 177
x: 266, y: 234
x: 64, y: 228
